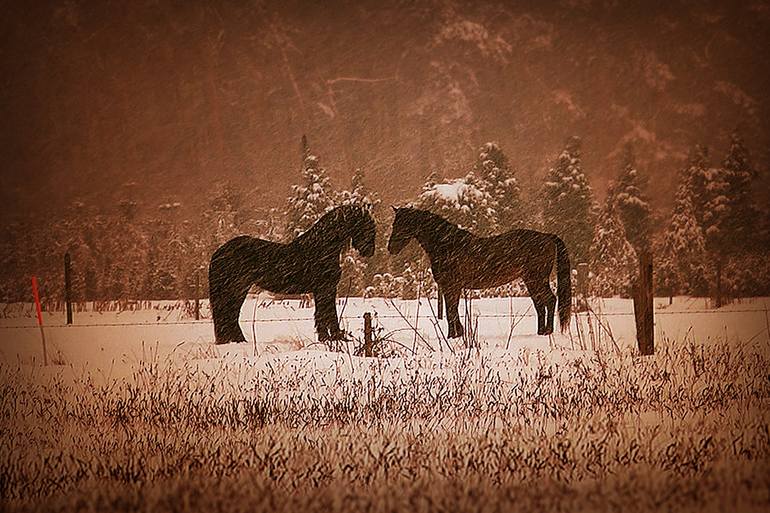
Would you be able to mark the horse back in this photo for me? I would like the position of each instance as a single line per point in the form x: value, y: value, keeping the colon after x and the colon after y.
x: 485, y: 262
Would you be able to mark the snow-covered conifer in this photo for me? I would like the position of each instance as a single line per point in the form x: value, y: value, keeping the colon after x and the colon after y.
x: 222, y: 213
x: 743, y: 213
x: 696, y: 181
x: 680, y: 254
x: 568, y: 200
x: 498, y: 179
x: 632, y: 204
x: 309, y: 200
x: 613, y: 259
x: 359, y: 194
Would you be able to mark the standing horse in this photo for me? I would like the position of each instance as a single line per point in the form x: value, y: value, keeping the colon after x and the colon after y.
x: 308, y: 264
x: 460, y: 260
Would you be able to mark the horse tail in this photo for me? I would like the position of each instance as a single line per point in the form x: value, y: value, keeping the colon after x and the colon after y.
x: 563, y: 283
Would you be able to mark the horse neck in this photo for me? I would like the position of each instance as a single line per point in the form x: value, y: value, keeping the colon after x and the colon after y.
x: 327, y: 234
x: 435, y: 232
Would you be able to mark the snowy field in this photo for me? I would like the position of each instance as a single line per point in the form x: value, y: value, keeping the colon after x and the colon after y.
x: 139, y: 410
x: 283, y: 331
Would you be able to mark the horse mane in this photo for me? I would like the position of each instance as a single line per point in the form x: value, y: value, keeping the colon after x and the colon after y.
x: 438, y: 222
x: 338, y: 218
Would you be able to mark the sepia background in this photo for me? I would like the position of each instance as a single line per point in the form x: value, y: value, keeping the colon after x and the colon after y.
x: 137, y: 137
x: 184, y: 114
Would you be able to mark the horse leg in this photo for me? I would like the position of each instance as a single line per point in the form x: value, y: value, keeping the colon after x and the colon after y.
x: 334, y: 323
x: 550, y: 303
x: 226, y: 296
x: 541, y: 312
x: 549, y: 298
x: 545, y: 303
x: 536, y: 301
x: 321, y: 318
x: 451, y: 300
x: 327, y: 322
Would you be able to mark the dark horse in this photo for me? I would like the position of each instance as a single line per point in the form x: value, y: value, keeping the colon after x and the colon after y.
x: 308, y: 264
x: 460, y: 260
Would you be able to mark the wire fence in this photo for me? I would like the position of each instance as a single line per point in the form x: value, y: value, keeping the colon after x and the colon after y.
x: 208, y: 321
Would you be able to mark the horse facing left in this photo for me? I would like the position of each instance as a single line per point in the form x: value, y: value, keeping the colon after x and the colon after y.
x: 310, y: 264
x: 461, y: 260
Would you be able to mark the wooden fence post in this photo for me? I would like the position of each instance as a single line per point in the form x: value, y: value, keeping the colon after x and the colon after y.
x: 368, y: 334
x: 68, y: 287
x: 643, y: 306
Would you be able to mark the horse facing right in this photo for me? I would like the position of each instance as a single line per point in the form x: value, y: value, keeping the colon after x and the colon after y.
x: 461, y: 260
x: 310, y: 264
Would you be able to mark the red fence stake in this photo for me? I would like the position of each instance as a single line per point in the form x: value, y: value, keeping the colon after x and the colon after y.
x: 39, y: 317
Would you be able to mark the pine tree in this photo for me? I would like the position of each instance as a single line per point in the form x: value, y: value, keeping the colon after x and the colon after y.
x: 729, y: 215
x: 431, y: 181
x: 222, y: 215
x: 681, y: 249
x: 383, y: 285
x: 310, y: 200
x: 716, y: 222
x: 568, y: 203
x: 706, y: 187
x: 478, y: 206
x: 161, y: 280
x: 360, y: 194
x: 632, y: 204
x: 613, y: 259
x: 696, y: 181
x: 743, y: 214
x: 498, y: 180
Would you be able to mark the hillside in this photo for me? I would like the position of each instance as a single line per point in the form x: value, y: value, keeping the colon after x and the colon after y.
x: 171, y: 97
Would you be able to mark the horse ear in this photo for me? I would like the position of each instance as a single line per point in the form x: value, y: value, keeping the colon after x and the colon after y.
x: 395, y: 208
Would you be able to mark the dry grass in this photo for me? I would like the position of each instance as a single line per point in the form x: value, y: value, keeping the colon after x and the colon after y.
x: 684, y: 430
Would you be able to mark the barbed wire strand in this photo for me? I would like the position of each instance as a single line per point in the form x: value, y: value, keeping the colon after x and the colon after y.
x: 347, y: 317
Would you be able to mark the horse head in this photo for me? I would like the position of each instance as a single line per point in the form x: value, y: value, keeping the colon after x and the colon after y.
x: 363, y: 232
x: 404, y: 229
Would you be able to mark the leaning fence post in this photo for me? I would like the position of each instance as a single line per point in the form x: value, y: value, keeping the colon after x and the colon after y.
x: 368, y: 334
x: 39, y: 317
x: 643, y: 305
x: 68, y: 287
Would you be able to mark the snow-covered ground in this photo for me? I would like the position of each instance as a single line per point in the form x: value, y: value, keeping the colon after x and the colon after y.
x: 142, y: 404
x: 109, y: 345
